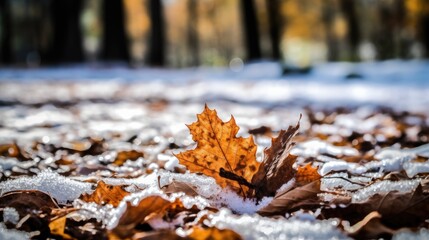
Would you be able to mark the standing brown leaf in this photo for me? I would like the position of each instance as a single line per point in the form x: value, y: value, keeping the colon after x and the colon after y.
x: 106, y: 194
x: 219, y: 153
x: 293, y: 199
x: 276, y: 168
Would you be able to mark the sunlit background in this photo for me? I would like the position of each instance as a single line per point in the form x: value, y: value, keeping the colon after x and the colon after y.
x: 187, y: 33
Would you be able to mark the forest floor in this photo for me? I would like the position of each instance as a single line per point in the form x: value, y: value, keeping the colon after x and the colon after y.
x: 114, y: 153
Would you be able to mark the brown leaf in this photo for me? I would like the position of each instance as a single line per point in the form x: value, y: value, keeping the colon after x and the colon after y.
x: 105, y: 194
x: 176, y: 186
x: 219, y: 148
x: 370, y: 228
x: 398, y: 209
x: 296, y: 198
x: 13, y: 150
x: 123, y: 156
x: 306, y: 174
x: 134, y: 215
x: 200, y: 233
x: 31, y: 205
x: 276, y: 168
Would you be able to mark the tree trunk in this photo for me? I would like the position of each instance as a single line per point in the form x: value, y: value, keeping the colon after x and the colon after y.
x: 331, y: 40
x: 193, y: 33
x: 425, y: 33
x: 6, y: 40
x: 251, y: 32
x: 67, y: 38
x: 114, y: 43
x: 275, y: 25
x: 157, y: 42
x: 348, y: 7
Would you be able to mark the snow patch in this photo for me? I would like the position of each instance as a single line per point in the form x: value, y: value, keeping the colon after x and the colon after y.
x: 59, y: 187
x: 258, y: 227
x: 11, y: 234
x: 383, y: 187
x: 10, y: 215
x: 313, y: 148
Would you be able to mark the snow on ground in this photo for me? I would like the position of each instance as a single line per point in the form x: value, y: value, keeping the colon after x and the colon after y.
x: 106, y: 103
x: 401, y: 84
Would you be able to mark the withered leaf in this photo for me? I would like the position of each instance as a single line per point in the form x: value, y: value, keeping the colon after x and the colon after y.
x: 212, y: 233
x: 398, y: 209
x: 123, y: 156
x: 219, y: 148
x: 134, y: 215
x: 299, y: 197
x: 370, y: 228
x: 106, y: 194
x: 276, y: 168
x: 177, y: 186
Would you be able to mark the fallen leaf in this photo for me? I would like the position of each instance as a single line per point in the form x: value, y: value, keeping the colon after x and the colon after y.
x: 34, y: 207
x: 123, y: 156
x: 276, y: 168
x: 13, y: 150
x: 212, y: 233
x: 176, y: 186
x: 398, y: 209
x: 134, y: 215
x: 105, y: 194
x: 299, y: 197
x: 58, y: 226
x: 370, y: 228
x: 306, y: 174
x: 218, y: 148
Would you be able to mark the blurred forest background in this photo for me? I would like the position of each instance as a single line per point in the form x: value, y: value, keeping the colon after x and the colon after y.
x: 185, y: 33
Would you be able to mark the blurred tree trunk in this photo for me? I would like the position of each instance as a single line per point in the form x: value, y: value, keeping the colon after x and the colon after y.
x: 157, y: 42
x: 193, y: 33
x: 251, y: 31
x: 67, y: 38
x: 332, y: 42
x: 114, y: 43
x: 6, y: 39
x: 275, y: 23
x: 424, y: 31
x: 348, y: 7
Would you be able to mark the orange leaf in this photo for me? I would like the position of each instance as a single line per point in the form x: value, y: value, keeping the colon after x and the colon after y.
x: 127, y: 155
x: 58, y: 226
x: 219, y: 153
x: 200, y: 233
x: 306, y: 174
x: 106, y: 194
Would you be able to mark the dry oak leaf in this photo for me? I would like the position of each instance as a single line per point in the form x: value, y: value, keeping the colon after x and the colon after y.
x: 277, y: 167
x: 106, y: 194
x: 230, y: 160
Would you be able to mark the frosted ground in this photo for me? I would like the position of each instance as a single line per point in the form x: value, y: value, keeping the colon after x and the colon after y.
x: 66, y: 104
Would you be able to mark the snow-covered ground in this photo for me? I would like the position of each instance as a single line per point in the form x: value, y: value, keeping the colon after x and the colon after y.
x: 147, y: 109
x: 403, y: 85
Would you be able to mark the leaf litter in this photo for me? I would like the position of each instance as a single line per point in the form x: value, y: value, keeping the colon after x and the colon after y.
x: 331, y: 174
